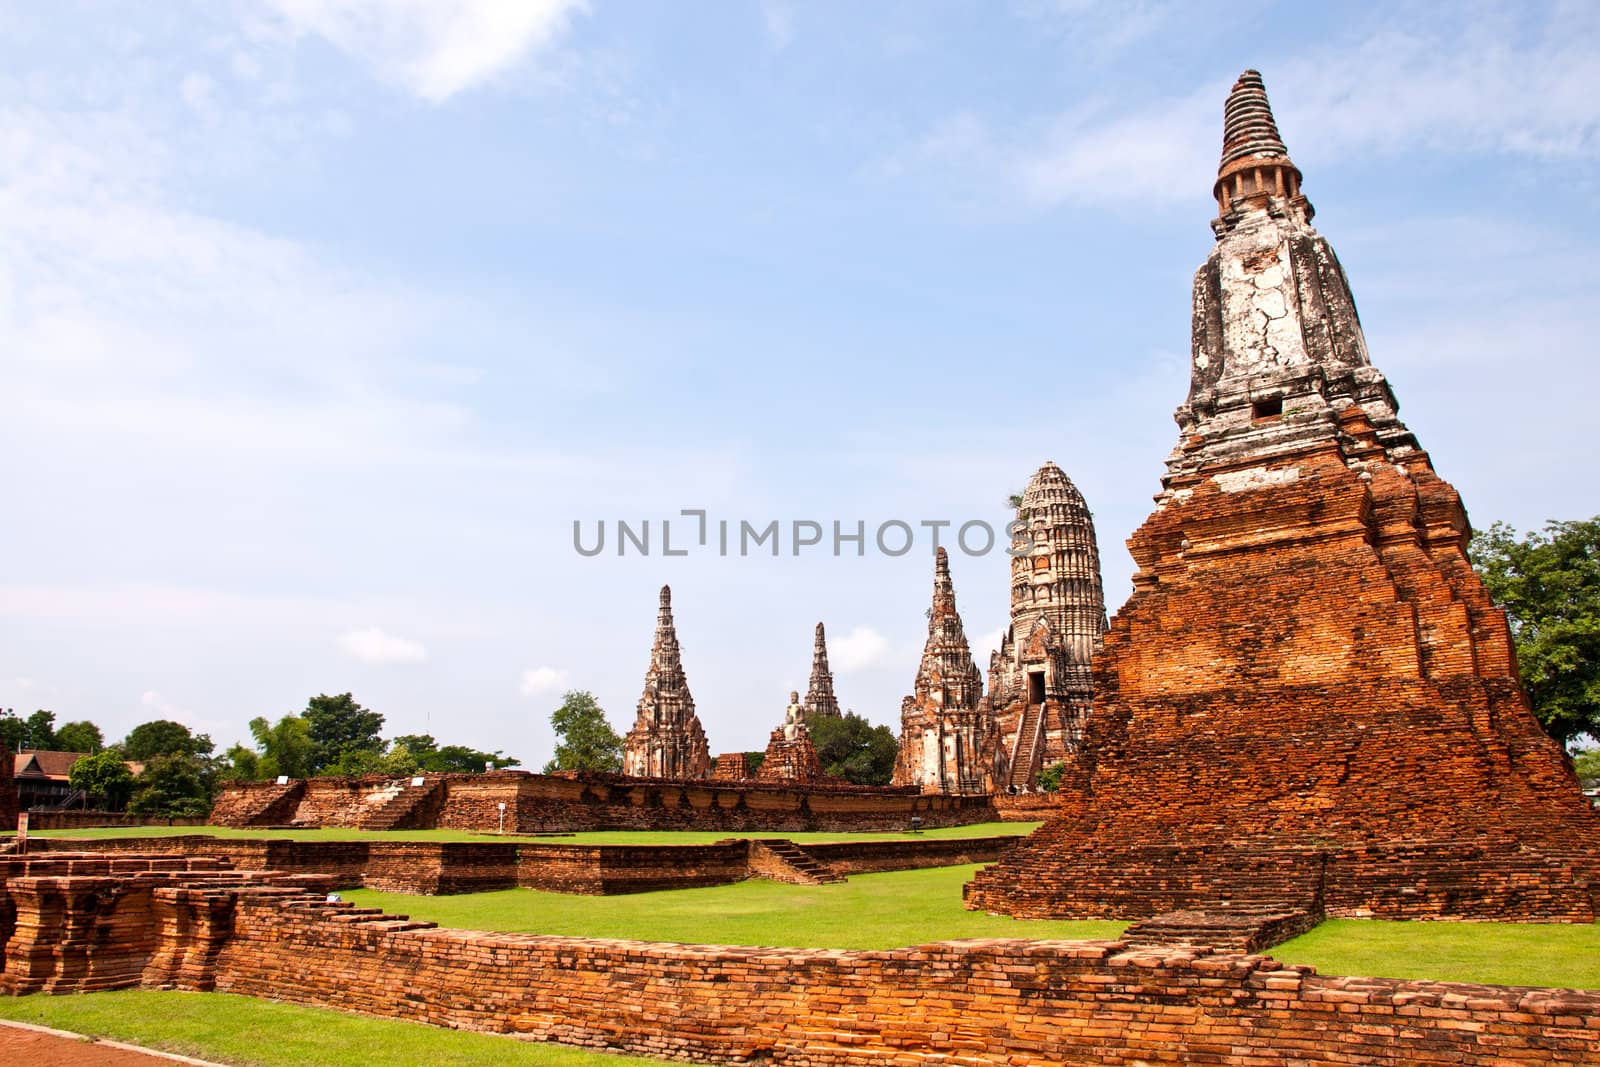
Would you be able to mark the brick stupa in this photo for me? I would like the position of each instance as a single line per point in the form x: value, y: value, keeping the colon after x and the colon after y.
x: 1309, y: 700
x: 946, y: 731
x: 820, y: 701
x: 667, y: 740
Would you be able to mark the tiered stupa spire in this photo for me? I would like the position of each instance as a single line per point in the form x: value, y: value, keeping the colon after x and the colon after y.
x: 945, y: 734
x: 820, y: 701
x: 1255, y: 163
x: 667, y: 740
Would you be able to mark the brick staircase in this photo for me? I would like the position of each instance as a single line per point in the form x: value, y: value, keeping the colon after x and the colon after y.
x: 1238, y: 930
x: 784, y: 861
x: 403, y: 807
x: 1029, y: 731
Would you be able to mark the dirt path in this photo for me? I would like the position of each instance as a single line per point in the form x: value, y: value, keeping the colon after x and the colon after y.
x: 41, y: 1048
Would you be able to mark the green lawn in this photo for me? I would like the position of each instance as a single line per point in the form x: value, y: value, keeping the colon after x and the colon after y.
x: 604, y: 837
x: 246, y: 1031
x: 868, y: 911
x: 1541, y: 954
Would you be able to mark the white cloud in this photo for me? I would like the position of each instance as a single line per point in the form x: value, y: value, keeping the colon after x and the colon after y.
x: 199, y: 92
x: 860, y: 648
x: 374, y: 645
x: 1488, y: 85
x: 432, y: 49
x: 540, y: 680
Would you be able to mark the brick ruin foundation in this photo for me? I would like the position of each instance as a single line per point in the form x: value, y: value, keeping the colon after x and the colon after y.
x: 538, y: 803
x: 8, y: 793
x: 1309, y: 702
x: 76, y: 923
x: 436, y: 868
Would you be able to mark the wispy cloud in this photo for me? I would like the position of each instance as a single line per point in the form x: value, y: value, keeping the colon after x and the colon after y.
x: 538, y: 681
x: 433, y: 50
x: 377, y: 646
x: 859, y: 649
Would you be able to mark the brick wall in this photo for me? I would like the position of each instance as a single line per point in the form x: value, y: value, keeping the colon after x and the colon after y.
x: 98, y: 922
x: 82, y: 820
x: 994, y: 1002
x: 861, y: 857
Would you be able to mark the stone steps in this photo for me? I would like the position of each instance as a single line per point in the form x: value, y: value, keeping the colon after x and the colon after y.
x: 394, y: 811
x: 806, y: 869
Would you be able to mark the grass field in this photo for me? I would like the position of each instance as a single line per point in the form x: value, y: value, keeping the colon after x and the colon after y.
x: 602, y: 837
x: 1542, y: 954
x: 242, y: 1030
x: 868, y: 911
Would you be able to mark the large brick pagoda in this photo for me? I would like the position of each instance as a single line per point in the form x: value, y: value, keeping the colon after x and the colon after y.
x: 1309, y: 699
x: 1039, y: 679
x: 820, y: 701
x: 667, y: 740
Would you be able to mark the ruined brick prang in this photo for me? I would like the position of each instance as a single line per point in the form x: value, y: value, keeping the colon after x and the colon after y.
x: 1309, y: 699
x: 946, y: 731
x: 820, y: 700
x: 1039, y: 681
x: 667, y: 740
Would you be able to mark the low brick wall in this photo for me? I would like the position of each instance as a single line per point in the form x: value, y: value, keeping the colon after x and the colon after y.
x: 1026, y: 807
x: 989, y: 1002
x: 861, y: 857
x: 104, y: 922
x: 84, y: 820
x: 536, y: 803
x: 440, y: 867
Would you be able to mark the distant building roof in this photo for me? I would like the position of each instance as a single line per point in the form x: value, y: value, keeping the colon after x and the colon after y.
x: 43, y: 763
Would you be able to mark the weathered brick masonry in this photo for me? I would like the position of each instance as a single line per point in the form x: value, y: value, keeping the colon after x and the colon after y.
x: 973, y: 1002
x: 1309, y: 699
x: 537, y: 803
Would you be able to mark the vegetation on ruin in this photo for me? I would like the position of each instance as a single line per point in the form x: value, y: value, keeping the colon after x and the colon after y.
x: 243, y: 1030
x: 867, y: 911
x: 585, y: 740
x: 1549, y: 584
x: 593, y: 837
x: 1536, y: 954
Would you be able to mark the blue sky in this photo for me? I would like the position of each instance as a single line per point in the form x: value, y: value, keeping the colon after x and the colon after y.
x: 321, y: 321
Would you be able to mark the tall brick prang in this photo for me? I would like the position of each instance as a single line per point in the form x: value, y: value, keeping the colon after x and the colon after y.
x: 946, y: 731
x: 667, y: 740
x: 1309, y: 699
x: 820, y: 701
x: 1039, y: 680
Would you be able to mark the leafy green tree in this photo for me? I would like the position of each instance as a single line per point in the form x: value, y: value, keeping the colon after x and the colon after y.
x: 41, y: 730
x: 1549, y: 584
x: 104, y: 777
x: 852, y: 748
x: 753, y: 761
x: 12, y: 732
x: 241, y: 763
x: 163, y: 737
x: 80, y: 737
x: 285, y: 747
x: 454, y: 759
x: 1587, y: 764
x: 339, y: 726
x: 357, y: 762
x: 173, y: 785
x: 1050, y: 777
x: 585, y: 741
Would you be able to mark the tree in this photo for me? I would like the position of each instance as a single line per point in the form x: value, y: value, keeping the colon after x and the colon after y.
x: 585, y: 740
x: 285, y: 747
x: 340, y: 726
x: 357, y: 762
x: 457, y: 759
x: 1549, y: 585
x: 241, y: 763
x: 80, y: 737
x: 172, y: 785
x: 41, y: 730
x: 163, y: 737
x: 1587, y: 764
x: 104, y: 777
x: 851, y: 748
x: 12, y: 731
x: 1050, y: 777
